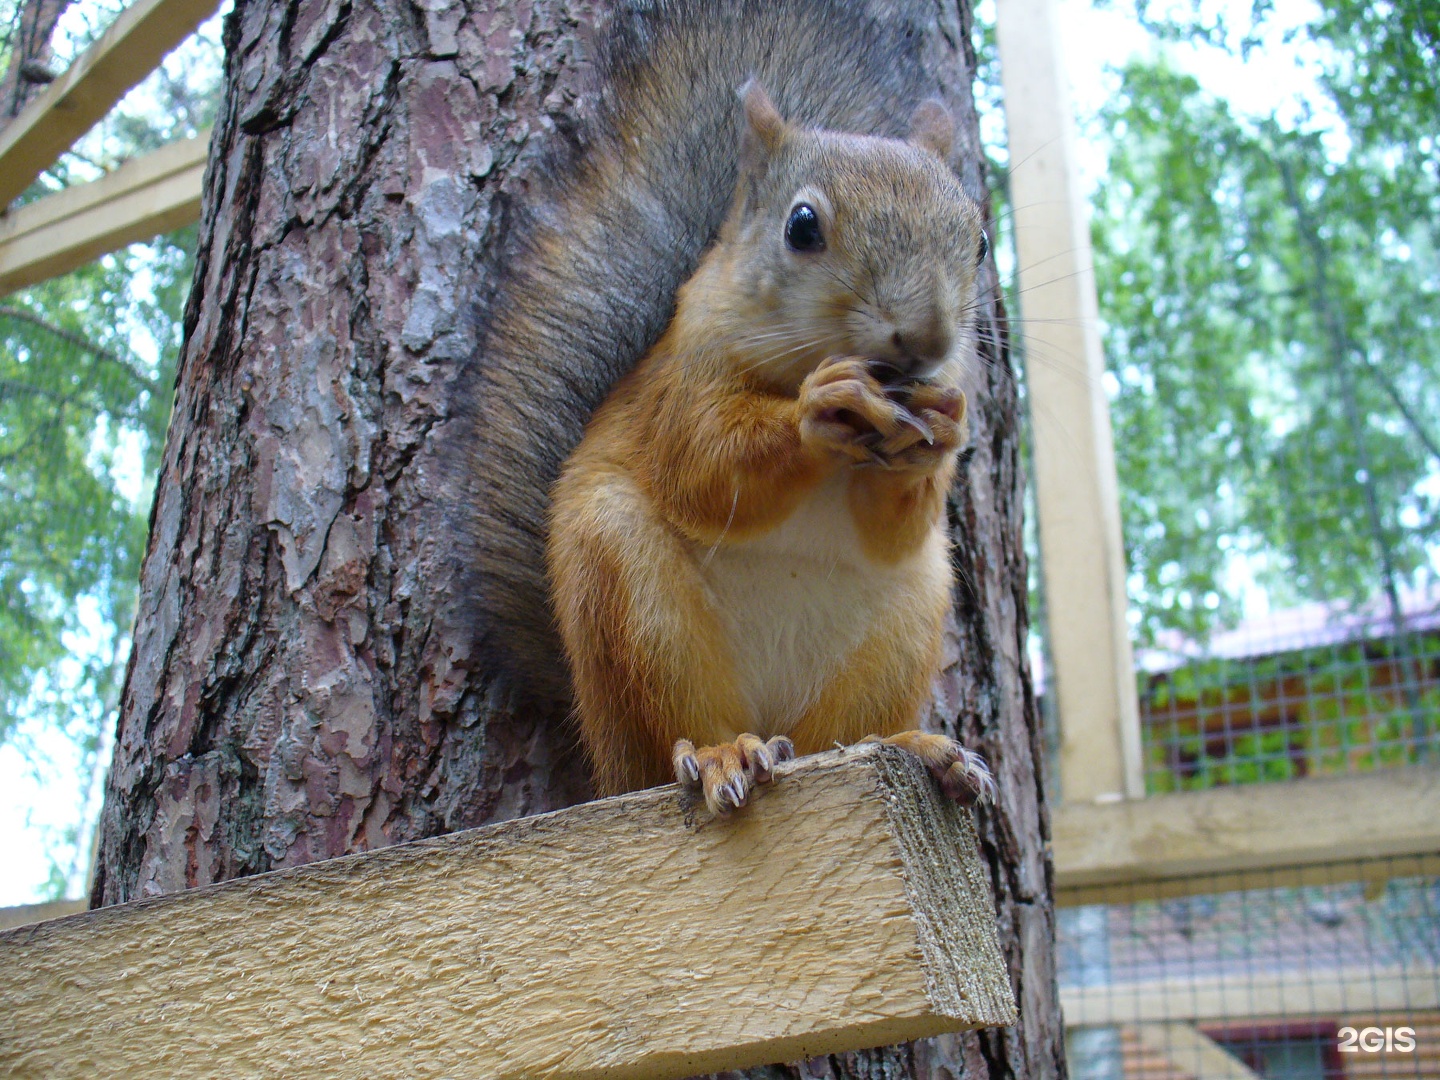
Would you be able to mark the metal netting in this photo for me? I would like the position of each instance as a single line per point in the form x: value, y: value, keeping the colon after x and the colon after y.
x: 1335, y: 978
x: 1316, y: 689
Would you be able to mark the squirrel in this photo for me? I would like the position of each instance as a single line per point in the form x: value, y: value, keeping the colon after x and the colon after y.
x: 747, y: 550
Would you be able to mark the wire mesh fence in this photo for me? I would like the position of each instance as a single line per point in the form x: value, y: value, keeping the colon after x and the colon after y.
x: 1325, y: 974
x: 1313, y: 690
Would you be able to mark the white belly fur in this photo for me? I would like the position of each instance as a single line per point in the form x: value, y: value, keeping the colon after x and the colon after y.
x: 798, y: 600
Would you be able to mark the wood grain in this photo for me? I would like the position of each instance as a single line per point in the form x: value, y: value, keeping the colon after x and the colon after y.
x: 634, y: 937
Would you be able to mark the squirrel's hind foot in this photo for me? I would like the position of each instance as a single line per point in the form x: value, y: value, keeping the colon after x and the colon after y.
x: 963, y: 774
x: 727, y: 773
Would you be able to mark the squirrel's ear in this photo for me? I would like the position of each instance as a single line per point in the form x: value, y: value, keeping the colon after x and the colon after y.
x: 764, y: 128
x: 932, y: 127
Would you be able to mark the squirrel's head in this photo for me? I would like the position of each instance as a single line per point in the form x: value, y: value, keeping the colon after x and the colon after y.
x: 850, y: 245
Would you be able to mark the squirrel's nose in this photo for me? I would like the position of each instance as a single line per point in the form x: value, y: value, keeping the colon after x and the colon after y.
x: 924, y: 340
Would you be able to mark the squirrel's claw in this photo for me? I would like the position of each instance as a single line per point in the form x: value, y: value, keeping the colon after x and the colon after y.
x: 964, y: 777
x: 855, y: 408
x: 687, y: 765
x: 910, y: 420
x: 729, y: 772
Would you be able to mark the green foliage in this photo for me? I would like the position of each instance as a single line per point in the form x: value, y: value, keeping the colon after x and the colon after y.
x: 79, y: 410
x: 1271, y: 297
x: 1329, y: 709
x: 86, y: 377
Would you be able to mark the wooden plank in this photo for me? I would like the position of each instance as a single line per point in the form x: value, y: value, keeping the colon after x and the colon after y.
x: 1251, y: 836
x: 1076, y: 494
x: 1375, y: 873
x: 134, y: 45
x: 24, y: 914
x: 634, y: 937
x: 142, y: 198
x: 1319, y: 991
x: 1192, y: 1051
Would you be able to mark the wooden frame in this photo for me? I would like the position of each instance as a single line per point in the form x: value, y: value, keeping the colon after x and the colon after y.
x: 142, y: 198
x: 1367, y: 828
x: 1105, y: 850
x: 127, y: 52
x: 634, y: 937
x: 25, y: 914
x: 1315, y: 991
x: 1319, y: 830
x: 1076, y: 492
x: 1190, y: 1050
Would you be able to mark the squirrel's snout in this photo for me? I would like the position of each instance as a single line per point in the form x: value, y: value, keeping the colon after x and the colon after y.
x: 921, y: 343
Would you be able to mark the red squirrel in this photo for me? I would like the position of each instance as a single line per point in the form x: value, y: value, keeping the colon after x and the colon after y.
x: 747, y: 551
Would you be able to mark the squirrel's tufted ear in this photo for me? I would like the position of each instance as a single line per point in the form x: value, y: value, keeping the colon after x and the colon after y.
x: 764, y: 129
x: 932, y: 127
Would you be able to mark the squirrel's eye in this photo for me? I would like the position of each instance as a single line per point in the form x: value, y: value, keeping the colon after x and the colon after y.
x: 984, y: 248
x: 802, y: 230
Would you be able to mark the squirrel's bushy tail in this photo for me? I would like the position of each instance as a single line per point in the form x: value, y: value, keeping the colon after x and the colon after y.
x: 629, y: 205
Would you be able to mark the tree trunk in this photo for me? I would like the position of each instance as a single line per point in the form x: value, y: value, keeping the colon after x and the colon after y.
x: 303, y: 683
x: 29, y: 56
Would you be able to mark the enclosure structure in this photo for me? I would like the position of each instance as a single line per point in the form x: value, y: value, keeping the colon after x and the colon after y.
x: 1247, y: 849
x: 1292, y: 898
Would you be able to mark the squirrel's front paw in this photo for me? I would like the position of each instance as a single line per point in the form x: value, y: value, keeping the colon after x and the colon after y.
x: 728, y: 772
x: 850, y: 407
x: 941, y: 410
x: 845, y: 410
x: 962, y: 773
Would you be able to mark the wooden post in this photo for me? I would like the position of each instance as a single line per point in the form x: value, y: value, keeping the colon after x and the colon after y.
x: 142, y: 198
x: 1082, y: 557
x: 133, y: 46
x: 24, y: 914
x: 634, y: 937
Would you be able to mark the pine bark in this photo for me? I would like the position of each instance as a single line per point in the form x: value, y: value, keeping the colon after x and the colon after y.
x: 303, y: 682
x: 30, y: 55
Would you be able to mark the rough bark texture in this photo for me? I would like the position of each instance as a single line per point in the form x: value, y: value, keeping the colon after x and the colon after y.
x: 301, y: 685
x: 29, y: 55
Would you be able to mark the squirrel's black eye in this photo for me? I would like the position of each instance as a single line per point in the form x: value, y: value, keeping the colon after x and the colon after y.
x: 802, y: 230
x: 984, y: 248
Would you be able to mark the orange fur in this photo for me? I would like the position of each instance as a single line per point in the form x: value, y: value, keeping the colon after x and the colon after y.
x: 749, y: 540
x: 672, y: 465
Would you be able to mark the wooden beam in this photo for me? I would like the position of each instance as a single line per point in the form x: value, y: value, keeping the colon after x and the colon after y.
x: 24, y: 914
x: 1193, y: 1052
x: 150, y: 195
x: 1374, y: 873
x: 1082, y: 560
x: 634, y: 937
x: 1312, y: 831
x: 134, y: 45
x: 1318, y: 991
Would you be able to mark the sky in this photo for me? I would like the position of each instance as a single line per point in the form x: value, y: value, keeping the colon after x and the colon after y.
x: 38, y: 800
